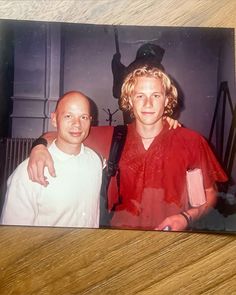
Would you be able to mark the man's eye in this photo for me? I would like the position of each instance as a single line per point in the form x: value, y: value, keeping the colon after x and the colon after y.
x: 156, y: 96
x: 85, y: 117
x: 68, y: 116
x: 139, y: 96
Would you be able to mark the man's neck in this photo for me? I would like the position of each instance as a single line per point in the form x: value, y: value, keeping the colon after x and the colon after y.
x: 70, y: 149
x: 148, y: 132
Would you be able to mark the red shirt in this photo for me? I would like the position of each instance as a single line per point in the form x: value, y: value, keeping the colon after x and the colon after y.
x: 153, y: 181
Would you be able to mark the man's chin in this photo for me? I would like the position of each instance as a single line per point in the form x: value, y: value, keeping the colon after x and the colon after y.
x: 149, y: 121
x: 75, y: 139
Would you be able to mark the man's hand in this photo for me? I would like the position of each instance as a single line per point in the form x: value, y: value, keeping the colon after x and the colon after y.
x: 39, y: 159
x: 179, y: 223
x: 174, y: 222
x: 172, y: 123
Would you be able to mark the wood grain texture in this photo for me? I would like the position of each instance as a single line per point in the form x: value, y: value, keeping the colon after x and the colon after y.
x: 78, y: 261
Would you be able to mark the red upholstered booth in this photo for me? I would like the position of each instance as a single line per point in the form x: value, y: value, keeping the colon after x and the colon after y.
x: 99, y: 139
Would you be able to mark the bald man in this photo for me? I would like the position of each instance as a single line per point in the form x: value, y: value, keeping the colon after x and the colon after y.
x: 72, y: 198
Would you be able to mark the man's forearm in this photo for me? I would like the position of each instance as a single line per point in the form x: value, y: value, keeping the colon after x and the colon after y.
x: 196, y: 213
x: 41, y: 158
x: 184, y: 219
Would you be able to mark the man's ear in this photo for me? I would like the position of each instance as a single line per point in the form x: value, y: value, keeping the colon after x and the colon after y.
x: 54, y: 119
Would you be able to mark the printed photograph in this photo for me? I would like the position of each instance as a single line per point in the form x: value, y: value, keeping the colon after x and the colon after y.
x: 126, y: 127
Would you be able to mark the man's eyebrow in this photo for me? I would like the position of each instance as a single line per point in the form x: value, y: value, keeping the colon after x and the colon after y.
x: 141, y: 92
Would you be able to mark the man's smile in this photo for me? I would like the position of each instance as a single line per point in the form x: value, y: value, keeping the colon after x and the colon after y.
x: 75, y: 133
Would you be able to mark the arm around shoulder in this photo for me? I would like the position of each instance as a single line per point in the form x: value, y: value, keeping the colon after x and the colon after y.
x: 39, y: 159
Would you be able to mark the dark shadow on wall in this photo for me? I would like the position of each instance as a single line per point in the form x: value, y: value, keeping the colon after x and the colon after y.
x: 94, y: 112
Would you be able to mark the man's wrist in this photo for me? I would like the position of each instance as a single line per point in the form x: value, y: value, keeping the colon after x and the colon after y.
x: 38, y: 141
x: 188, y: 218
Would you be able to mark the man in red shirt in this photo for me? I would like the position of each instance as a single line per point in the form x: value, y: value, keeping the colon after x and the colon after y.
x: 156, y: 160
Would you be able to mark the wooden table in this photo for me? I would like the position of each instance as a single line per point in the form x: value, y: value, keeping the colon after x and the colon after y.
x: 78, y: 261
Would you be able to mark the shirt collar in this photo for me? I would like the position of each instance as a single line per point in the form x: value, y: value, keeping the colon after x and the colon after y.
x: 62, y: 155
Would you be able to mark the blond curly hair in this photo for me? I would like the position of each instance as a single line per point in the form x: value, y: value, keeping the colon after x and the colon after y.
x: 145, y: 71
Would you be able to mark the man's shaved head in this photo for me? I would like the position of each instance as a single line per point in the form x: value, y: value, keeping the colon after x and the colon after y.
x: 75, y: 94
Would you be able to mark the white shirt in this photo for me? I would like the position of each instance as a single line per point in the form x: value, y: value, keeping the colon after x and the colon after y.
x: 71, y: 199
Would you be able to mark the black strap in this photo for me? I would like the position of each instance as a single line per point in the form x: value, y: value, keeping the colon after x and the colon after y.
x: 117, y: 145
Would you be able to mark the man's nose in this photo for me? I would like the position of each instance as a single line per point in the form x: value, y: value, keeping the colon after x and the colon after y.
x: 148, y: 101
x: 76, y: 121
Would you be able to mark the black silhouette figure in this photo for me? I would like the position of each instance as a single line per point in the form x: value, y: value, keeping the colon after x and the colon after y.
x: 147, y: 54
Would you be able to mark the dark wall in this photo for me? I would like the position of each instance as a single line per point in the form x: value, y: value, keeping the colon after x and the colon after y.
x: 198, y: 59
x: 36, y: 76
x: 6, y: 78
